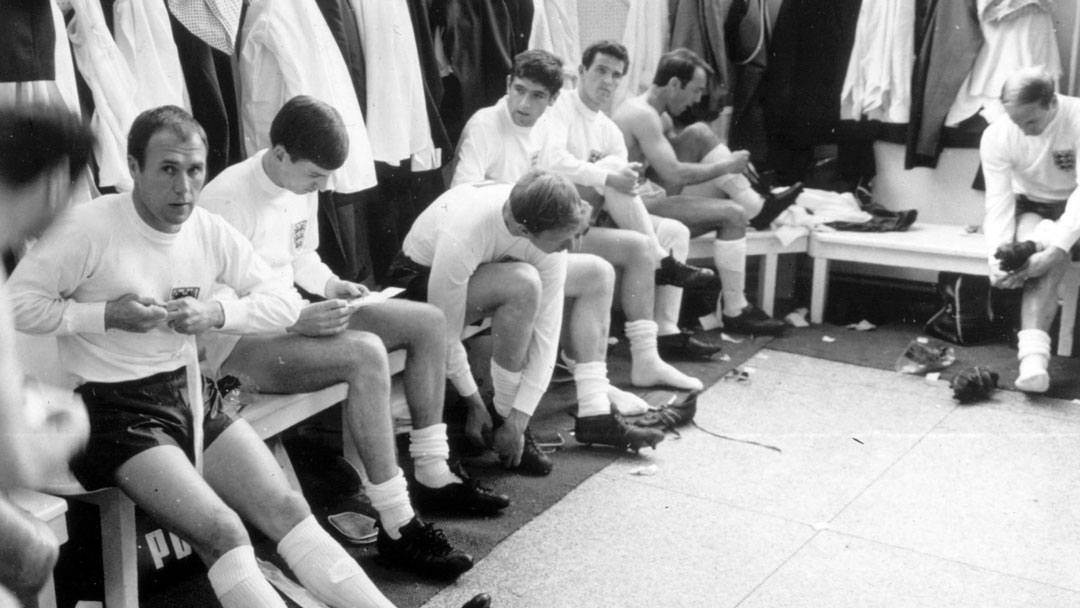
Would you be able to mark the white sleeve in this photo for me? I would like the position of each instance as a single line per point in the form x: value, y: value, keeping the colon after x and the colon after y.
x: 266, y: 301
x: 452, y: 265
x: 309, y: 271
x: 1067, y: 228
x: 43, y: 281
x: 999, y: 224
x: 472, y: 157
x: 556, y: 156
x: 544, y: 346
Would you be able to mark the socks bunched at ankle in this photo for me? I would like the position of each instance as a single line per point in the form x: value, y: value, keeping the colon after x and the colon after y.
x: 391, y: 499
x: 646, y: 366
x: 730, y: 259
x: 506, y: 384
x: 327, y: 570
x: 238, y: 583
x: 592, y: 386
x: 429, y: 450
x: 1033, y: 351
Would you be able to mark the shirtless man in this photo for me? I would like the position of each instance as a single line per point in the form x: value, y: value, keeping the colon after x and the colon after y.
x: 698, y: 181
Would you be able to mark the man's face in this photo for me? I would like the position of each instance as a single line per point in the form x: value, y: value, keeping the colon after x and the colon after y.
x: 598, y: 82
x: 1032, y: 118
x: 684, y: 96
x: 168, y: 184
x: 526, y: 101
x: 302, y: 176
x: 559, y: 239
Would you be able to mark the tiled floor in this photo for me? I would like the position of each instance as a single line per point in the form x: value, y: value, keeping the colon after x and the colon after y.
x: 864, y: 488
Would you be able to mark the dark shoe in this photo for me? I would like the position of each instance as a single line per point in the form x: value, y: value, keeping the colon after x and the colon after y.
x: 423, y: 549
x: 774, y: 205
x: 482, y: 600
x: 681, y: 274
x: 753, y: 320
x: 533, y: 460
x: 614, y: 431
x: 467, y: 497
x: 669, y: 416
x: 1014, y: 255
x: 688, y: 345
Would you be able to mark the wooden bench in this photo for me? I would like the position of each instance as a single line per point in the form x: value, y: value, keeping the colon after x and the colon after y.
x: 926, y: 247
x: 763, y: 243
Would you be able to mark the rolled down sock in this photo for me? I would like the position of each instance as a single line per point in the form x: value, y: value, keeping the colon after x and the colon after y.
x: 730, y: 259
x: 592, y: 385
x: 238, y: 583
x: 430, y: 449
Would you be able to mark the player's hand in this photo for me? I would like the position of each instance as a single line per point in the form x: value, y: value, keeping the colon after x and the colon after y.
x: 1042, y: 262
x: 134, y: 313
x: 344, y: 290
x: 190, y: 316
x: 478, y: 421
x: 323, y: 318
x: 509, y: 439
x: 737, y: 162
x: 625, y: 180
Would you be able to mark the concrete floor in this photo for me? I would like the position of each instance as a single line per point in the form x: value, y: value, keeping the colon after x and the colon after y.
x: 865, y: 488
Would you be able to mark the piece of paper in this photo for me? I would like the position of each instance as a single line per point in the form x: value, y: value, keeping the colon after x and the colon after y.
x: 828, y: 339
x: 374, y: 297
x: 863, y: 325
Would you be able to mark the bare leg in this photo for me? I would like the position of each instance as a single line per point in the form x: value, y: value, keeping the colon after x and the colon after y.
x: 674, y: 236
x: 509, y: 293
x: 291, y: 363
x: 590, y: 285
x: 630, y: 253
x: 629, y: 213
x: 1037, y: 310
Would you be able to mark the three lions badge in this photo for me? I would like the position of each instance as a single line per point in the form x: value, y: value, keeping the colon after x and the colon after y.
x: 1065, y: 159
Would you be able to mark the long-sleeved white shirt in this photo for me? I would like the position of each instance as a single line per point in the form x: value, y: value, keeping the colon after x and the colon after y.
x: 1041, y: 167
x: 582, y: 144
x: 493, y: 148
x: 102, y: 250
x: 458, y: 232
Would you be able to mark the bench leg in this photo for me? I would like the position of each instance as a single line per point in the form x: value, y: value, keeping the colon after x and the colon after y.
x: 767, y: 284
x: 1070, y: 290
x: 820, y: 290
x: 119, y: 559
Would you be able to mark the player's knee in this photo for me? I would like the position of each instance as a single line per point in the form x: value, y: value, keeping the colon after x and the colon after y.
x: 523, y: 285
x: 430, y: 319
x: 367, y: 360
x: 288, y: 507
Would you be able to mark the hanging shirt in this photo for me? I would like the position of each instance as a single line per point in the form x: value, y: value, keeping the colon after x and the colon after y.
x: 1041, y: 167
x: 111, y: 82
x: 493, y: 148
x: 555, y: 29
x: 644, y: 41
x: 461, y: 230
x: 215, y: 22
x: 103, y: 250
x: 145, y: 39
x: 288, y: 50
x: 878, y: 81
x: 396, y: 110
x: 1021, y: 38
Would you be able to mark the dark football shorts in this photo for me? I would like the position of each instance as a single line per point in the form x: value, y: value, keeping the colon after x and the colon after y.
x: 127, y: 418
x: 1050, y: 211
x: 408, y: 275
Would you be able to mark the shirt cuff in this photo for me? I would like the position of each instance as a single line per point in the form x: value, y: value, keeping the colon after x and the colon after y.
x: 464, y: 383
x: 84, y: 318
x: 235, y: 314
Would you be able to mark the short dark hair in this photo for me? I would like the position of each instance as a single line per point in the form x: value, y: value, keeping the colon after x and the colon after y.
x: 37, y: 138
x: 1029, y: 85
x: 175, y: 119
x: 610, y: 48
x: 311, y: 130
x: 542, y: 201
x: 540, y: 67
x: 680, y: 63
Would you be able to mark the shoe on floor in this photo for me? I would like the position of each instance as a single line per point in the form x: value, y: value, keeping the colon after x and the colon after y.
x: 688, y: 345
x: 753, y: 320
x: 481, y: 600
x: 669, y: 416
x: 614, y: 431
x: 680, y: 274
x: 465, y: 498
x: 424, y: 550
x: 533, y: 460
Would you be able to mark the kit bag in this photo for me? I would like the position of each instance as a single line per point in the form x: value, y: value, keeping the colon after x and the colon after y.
x: 966, y: 315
